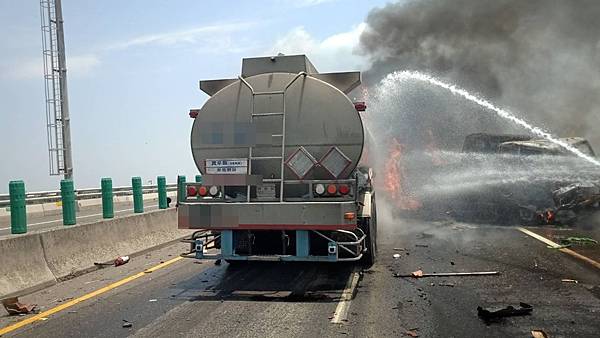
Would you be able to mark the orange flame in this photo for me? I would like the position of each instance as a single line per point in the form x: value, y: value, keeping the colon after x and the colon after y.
x: 394, y: 179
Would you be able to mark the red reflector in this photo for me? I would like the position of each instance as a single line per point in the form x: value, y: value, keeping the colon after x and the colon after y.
x: 331, y: 189
x: 360, y: 106
x: 344, y: 189
x: 349, y: 216
x: 191, y: 191
x: 202, y: 191
x: 194, y: 113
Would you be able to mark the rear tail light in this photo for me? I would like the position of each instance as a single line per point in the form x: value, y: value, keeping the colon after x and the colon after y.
x: 331, y: 189
x: 319, y: 189
x: 191, y: 191
x: 194, y: 113
x: 349, y: 216
x: 214, y: 190
x: 360, y: 106
x: 202, y: 191
x: 344, y: 189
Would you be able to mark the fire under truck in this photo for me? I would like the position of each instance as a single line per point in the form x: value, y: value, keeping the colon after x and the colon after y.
x: 279, y: 149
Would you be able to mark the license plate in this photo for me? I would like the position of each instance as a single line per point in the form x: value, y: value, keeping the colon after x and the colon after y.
x: 227, y: 166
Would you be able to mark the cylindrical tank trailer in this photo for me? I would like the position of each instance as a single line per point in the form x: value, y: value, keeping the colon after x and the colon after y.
x: 279, y: 150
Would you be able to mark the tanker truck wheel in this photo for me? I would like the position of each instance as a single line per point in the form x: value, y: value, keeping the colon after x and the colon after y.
x: 369, y: 226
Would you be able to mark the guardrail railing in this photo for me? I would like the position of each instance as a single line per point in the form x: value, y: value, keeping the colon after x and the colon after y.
x: 18, y: 199
x: 41, y: 197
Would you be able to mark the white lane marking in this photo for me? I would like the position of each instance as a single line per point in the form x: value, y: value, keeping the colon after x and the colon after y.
x: 539, y: 238
x: 78, y: 217
x: 341, y: 311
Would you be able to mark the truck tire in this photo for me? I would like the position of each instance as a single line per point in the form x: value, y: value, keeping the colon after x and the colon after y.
x: 369, y: 226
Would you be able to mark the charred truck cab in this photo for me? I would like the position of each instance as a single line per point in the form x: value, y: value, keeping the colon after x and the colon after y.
x: 279, y: 149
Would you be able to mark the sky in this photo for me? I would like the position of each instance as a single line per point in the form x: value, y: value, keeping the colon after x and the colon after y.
x: 133, y: 72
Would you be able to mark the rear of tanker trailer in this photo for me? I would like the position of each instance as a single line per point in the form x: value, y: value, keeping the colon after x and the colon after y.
x: 279, y: 149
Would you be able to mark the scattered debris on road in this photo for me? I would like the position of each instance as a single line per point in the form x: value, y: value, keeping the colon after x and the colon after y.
x: 538, y: 334
x: 419, y: 273
x: 396, y: 256
x: 509, y: 311
x: 421, y: 245
x: 60, y: 300
x: 446, y: 284
x: 127, y: 323
x: 153, y: 300
x: 218, y: 262
x: 570, y: 241
x: 121, y: 260
x: 566, y: 280
x: 400, y: 249
x: 582, y: 240
x: 411, y: 333
x: 14, y: 307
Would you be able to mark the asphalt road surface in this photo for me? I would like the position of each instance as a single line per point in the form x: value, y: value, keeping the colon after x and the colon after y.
x: 40, y: 221
x: 182, y: 297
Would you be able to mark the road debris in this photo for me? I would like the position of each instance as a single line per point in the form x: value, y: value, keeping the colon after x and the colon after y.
x: 446, y: 284
x: 509, y: 311
x: 570, y: 241
x: 583, y: 240
x: 538, y: 334
x: 400, y: 249
x: 396, y: 256
x: 419, y: 273
x: 218, y: 262
x: 566, y: 280
x: 421, y: 245
x: 14, y: 307
x: 117, y: 262
x: 127, y: 324
x: 153, y: 300
x: 412, y: 333
x: 121, y: 260
x: 60, y: 300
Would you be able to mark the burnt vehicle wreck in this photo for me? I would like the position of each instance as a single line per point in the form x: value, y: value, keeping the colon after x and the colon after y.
x: 546, y: 190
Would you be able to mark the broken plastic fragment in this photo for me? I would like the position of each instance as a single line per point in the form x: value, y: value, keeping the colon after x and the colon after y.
x: 14, y: 307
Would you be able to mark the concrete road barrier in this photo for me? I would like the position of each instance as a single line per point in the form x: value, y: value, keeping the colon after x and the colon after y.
x: 36, y: 260
x: 23, y: 266
x: 71, y: 250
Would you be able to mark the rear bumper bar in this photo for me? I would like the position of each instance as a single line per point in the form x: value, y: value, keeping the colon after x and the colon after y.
x: 337, y: 251
x: 268, y: 216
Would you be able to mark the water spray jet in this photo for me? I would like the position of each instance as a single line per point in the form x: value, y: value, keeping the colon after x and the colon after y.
x: 400, y: 76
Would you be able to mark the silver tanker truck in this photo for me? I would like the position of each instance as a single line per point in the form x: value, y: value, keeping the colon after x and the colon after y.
x: 279, y: 149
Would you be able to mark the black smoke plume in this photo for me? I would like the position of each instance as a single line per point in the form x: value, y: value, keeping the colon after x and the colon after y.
x: 537, y: 57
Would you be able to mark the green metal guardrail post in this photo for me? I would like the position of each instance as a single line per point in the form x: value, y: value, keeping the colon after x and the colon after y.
x: 162, y: 192
x: 138, y: 198
x: 18, y: 209
x: 181, y: 192
x: 108, y: 210
x: 69, y: 204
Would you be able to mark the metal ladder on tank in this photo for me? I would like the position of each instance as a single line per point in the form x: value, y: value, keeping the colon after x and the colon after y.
x: 281, y: 113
